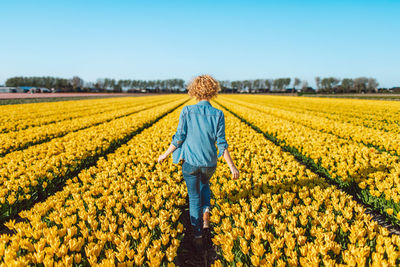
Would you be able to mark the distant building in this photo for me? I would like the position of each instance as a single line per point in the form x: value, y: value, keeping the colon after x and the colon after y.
x: 243, y: 90
x: 95, y: 90
x: 261, y: 90
x: 290, y: 90
x: 6, y: 89
x: 308, y: 90
x: 27, y: 88
x: 34, y: 89
x: 44, y: 90
x: 395, y: 89
x: 230, y: 90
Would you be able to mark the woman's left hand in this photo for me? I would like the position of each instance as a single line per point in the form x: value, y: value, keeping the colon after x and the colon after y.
x: 161, y: 158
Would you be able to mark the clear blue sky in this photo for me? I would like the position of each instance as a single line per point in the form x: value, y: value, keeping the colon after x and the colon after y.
x: 181, y: 39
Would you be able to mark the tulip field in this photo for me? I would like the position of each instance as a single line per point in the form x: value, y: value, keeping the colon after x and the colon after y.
x: 80, y: 184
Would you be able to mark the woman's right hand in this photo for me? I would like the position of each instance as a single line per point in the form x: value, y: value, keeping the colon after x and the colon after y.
x: 235, y: 172
x: 161, y: 158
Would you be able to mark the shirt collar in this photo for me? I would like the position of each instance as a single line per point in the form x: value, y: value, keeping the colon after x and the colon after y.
x: 204, y: 102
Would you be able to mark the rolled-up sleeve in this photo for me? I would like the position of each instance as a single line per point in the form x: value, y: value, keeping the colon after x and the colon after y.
x: 221, y: 141
x: 179, y: 137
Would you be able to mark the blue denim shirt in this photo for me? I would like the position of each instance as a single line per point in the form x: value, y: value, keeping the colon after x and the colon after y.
x: 200, y: 127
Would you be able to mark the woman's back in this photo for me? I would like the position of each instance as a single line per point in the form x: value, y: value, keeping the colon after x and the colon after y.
x: 200, y: 127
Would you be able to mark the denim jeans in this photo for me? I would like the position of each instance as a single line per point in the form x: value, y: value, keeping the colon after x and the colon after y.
x: 197, y: 182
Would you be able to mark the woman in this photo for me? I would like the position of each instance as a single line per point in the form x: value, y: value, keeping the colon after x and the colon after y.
x: 200, y: 127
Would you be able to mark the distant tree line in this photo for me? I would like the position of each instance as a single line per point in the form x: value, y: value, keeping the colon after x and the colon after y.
x: 48, y: 82
x: 62, y: 84
x: 256, y: 86
x: 76, y: 84
x: 347, y: 85
x: 169, y: 85
x: 327, y: 85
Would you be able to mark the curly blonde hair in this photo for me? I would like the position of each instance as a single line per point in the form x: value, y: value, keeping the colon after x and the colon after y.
x: 203, y: 87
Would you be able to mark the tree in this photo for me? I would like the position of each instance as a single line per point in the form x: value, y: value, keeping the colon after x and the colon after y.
x: 372, y: 85
x: 347, y: 85
x: 328, y: 84
x: 76, y: 83
x: 268, y: 84
x: 181, y: 84
x: 61, y: 84
x: 259, y: 85
x: 360, y: 84
x: 236, y: 86
x: 225, y: 85
x: 318, y: 82
x: 247, y: 84
x: 296, y: 82
x: 99, y: 83
x: 286, y: 82
x: 304, y: 86
x: 276, y: 84
x: 281, y: 83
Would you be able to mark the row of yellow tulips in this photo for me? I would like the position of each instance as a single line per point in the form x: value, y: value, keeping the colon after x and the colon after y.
x: 19, y: 117
x: 279, y: 213
x: 124, y: 210
x: 21, y: 139
x: 376, y: 114
x: 376, y: 175
x: 38, y: 171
